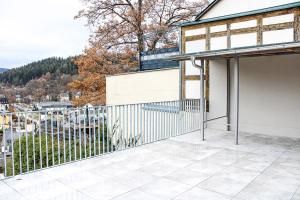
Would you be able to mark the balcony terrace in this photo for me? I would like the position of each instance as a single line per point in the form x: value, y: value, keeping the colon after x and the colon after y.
x: 182, y: 168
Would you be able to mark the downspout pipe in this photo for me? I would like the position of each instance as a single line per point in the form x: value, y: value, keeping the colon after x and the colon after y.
x: 202, y: 96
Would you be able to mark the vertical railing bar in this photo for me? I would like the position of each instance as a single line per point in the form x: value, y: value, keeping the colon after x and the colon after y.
x: 75, y: 136
x: 124, y: 127
x: 40, y: 141
x: 147, y: 122
x: 20, y: 148
x: 58, y: 136
x: 52, y: 138
x: 134, y: 125
x: 78, y: 119
x: 117, y: 119
x: 112, y: 129
x: 46, y: 138
x: 64, y: 134
x: 156, y: 121
x: 143, y: 123
x: 33, y: 141
x: 119, y: 147
x: 127, y: 127
x: 4, y: 143
x: 103, y: 127
x: 172, y: 118
x: 184, y: 117
x: 26, y: 136
x: 139, y: 117
x: 12, y: 145
x: 99, y: 131
x: 94, y: 113
x: 158, y: 110
x: 188, y: 115
x: 90, y: 136
x: 150, y: 123
x: 177, y: 117
x: 130, y: 127
x: 70, y: 137
x: 162, y: 118
x: 84, y: 130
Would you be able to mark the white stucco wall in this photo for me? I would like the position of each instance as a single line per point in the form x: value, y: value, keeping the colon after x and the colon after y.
x: 143, y: 87
x: 269, y: 95
x: 227, y: 7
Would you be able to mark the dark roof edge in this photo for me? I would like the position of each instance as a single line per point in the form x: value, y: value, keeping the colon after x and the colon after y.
x: 243, y: 14
x: 203, y: 12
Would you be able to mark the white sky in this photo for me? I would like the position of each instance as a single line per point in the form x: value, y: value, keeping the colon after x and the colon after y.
x: 35, y: 29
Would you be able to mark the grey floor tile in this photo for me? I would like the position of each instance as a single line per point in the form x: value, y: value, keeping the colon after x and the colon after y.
x: 81, y: 180
x: 229, y: 181
x: 251, y: 165
x: 296, y: 196
x: 164, y: 188
x: 73, y: 195
x: 206, y: 167
x: 199, y: 194
x: 188, y: 176
x: 270, y: 185
x: 104, y: 190
x: 137, y: 195
x: 134, y: 179
x: 11, y: 196
x: 44, y: 190
x: 160, y: 168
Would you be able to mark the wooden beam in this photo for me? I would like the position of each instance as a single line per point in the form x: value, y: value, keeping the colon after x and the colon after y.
x: 276, y: 27
x: 297, y: 26
x: 192, y: 78
x: 259, y: 31
x: 228, y: 36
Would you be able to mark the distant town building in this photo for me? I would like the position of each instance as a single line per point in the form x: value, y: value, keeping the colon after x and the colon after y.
x: 18, y: 98
x: 53, y: 106
x: 65, y: 97
x: 152, y: 60
x: 4, y: 105
x: 77, y: 95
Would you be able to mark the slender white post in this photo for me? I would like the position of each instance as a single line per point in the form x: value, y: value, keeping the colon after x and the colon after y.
x: 202, y: 98
x: 237, y: 97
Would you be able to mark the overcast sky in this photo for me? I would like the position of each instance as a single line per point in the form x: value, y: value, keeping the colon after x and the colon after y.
x: 35, y: 29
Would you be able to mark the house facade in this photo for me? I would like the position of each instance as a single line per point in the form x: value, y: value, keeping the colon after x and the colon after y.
x: 249, y: 52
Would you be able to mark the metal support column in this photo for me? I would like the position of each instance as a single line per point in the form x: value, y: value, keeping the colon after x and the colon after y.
x: 237, y: 97
x: 202, y: 95
x: 202, y: 99
x: 228, y: 107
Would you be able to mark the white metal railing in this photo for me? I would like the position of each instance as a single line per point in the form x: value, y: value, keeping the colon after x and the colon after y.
x: 40, y: 139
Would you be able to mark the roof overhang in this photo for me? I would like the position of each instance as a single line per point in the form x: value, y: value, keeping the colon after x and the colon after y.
x: 241, y: 14
x: 203, y: 12
x: 253, y: 51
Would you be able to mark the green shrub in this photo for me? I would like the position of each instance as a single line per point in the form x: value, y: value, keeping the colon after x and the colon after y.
x: 58, y: 152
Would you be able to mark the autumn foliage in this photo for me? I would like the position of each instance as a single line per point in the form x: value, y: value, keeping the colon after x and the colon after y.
x: 122, y: 29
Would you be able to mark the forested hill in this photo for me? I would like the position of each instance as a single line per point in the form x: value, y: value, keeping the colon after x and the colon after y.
x: 35, y: 70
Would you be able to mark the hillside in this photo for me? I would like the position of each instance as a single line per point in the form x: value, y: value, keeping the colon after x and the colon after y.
x: 22, y: 75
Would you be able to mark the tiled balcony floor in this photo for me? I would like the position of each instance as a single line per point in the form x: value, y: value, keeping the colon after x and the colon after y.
x: 182, y: 168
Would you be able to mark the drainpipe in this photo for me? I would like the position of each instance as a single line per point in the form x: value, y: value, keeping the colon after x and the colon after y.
x: 202, y: 101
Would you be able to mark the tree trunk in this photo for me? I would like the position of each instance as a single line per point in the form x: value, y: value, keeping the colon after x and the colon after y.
x: 140, y: 34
